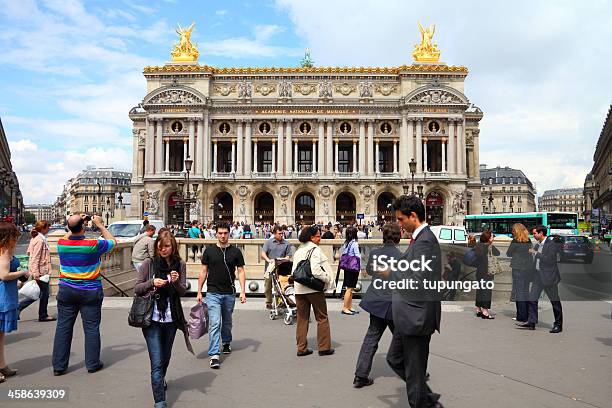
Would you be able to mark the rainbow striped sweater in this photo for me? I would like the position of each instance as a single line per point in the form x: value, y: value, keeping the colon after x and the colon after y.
x: 80, y: 261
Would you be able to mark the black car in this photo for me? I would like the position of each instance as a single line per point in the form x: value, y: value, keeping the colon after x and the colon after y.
x: 576, y: 247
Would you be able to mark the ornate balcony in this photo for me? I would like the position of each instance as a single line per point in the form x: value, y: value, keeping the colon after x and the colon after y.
x: 263, y: 176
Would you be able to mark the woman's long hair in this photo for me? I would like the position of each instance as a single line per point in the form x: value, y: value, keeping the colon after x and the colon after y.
x: 520, y: 233
x: 166, y: 236
x: 39, y: 227
x: 9, y: 234
x: 351, y: 234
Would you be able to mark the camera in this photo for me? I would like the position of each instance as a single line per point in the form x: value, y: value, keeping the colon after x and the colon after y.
x: 87, y: 218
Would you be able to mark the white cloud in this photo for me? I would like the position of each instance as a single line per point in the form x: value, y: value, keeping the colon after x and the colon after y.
x: 538, y: 70
x: 23, y: 145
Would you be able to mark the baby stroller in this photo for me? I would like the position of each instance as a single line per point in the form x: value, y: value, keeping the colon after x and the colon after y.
x: 283, y: 293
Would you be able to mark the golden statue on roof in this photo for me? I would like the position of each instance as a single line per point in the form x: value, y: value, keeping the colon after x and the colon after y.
x: 184, y: 50
x: 426, y: 51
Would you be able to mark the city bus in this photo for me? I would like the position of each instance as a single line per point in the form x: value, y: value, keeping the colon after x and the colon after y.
x: 558, y: 223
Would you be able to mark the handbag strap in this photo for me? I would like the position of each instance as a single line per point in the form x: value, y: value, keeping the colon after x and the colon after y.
x: 310, y: 253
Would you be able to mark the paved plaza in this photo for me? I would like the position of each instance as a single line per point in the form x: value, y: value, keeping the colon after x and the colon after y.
x: 473, y: 362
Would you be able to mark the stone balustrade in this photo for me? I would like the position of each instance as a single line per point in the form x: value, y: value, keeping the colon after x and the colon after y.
x: 117, y: 265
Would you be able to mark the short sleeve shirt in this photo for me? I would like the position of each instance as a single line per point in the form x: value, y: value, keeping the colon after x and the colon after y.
x: 222, y: 264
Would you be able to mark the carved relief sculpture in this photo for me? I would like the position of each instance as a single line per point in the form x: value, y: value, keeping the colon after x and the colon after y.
x: 265, y: 89
x: 386, y: 89
x: 304, y: 89
x: 435, y: 96
x: 224, y: 89
x: 152, y: 202
x: 175, y: 96
x: 325, y: 89
x: 284, y: 89
x: 346, y: 89
x: 365, y: 89
x: 244, y: 90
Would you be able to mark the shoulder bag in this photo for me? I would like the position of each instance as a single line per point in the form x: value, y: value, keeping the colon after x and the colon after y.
x: 350, y: 262
x: 141, y: 311
x: 303, y: 275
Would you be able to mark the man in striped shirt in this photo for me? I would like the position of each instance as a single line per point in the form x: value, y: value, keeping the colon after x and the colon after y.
x: 80, y: 290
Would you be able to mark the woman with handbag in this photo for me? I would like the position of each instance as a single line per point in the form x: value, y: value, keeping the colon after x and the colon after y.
x: 309, y: 256
x: 8, y: 290
x: 350, y: 263
x: 522, y: 269
x: 164, y: 279
x: 39, y: 265
x: 484, y: 296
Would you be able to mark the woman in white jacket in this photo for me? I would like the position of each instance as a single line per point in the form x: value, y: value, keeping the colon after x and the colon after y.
x: 310, y: 237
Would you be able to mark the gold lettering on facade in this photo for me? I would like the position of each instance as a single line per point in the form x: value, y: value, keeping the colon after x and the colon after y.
x: 284, y: 111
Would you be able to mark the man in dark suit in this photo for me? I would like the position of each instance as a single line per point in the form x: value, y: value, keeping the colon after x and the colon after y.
x: 416, y: 312
x: 547, y: 278
x: 377, y: 302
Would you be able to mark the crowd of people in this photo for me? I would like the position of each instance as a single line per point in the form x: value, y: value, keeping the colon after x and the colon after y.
x: 412, y: 316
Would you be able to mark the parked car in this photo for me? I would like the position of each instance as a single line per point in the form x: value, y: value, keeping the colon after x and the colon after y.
x: 575, y: 247
x: 450, y: 234
x: 126, y: 231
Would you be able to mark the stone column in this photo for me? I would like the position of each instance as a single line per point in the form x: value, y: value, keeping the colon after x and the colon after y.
x: 167, y: 163
x: 410, y: 143
x: 329, y: 166
x: 248, y: 156
x: 403, y: 147
x: 444, y: 167
x: 149, y: 142
x: 206, y: 147
x: 273, y: 156
x: 371, y: 147
x: 451, y: 146
x: 425, y: 169
x: 395, y: 156
x: 377, y: 162
x: 460, y: 148
x: 419, y: 145
x: 254, y: 156
x: 135, y: 162
x: 336, y: 156
x: 159, y: 147
x: 288, y: 162
x: 233, y: 156
x: 362, y: 147
x: 314, y: 156
x: 321, y: 166
x: 239, y: 150
x: 214, y: 169
x: 191, y: 139
x: 355, y: 156
x: 199, y: 148
x: 281, y: 156
x: 295, y: 156
x: 185, y: 152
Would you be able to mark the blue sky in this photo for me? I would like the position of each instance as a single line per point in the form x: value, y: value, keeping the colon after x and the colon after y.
x: 71, y: 70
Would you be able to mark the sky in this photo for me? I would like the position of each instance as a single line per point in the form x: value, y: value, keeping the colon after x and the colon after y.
x: 71, y: 70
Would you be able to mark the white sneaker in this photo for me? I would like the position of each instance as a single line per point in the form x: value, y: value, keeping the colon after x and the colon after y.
x: 214, y: 362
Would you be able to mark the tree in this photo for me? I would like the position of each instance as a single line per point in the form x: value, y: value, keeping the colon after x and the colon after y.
x: 30, y: 218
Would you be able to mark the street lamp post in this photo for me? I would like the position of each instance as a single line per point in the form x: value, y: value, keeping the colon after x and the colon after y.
x: 107, y: 209
x: 490, y: 201
x: 412, y: 166
x: 187, y: 198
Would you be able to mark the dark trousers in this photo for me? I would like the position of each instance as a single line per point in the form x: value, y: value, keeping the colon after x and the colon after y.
x: 159, y: 338
x: 70, y: 302
x: 43, y: 300
x: 552, y: 292
x: 319, y: 305
x: 520, y: 293
x: 370, y: 344
x: 408, y: 356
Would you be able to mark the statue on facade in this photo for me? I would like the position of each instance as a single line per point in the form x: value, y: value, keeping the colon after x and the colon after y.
x: 325, y: 89
x: 458, y: 207
x: 244, y: 90
x: 284, y: 208
x: 152, y: 201
x: 284, y: 89
x: 365, y: 89
x: 326, y: 207
x: 242, y: 209
x: 426, y: 51
x: 184, y: 50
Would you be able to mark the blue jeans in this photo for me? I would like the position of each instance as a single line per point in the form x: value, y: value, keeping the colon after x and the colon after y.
x: 70, y: 302
x: 159, y: 338
x: 44, y: 300
x: 220, y: 309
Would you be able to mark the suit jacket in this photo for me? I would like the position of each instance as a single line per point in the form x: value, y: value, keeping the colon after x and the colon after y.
x: 377, y: 302
x: 418, y: 312
x: 549, y: 270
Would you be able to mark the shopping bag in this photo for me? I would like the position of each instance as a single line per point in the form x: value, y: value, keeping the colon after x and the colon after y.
x: 29, y: 291
x: 198, y: 320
